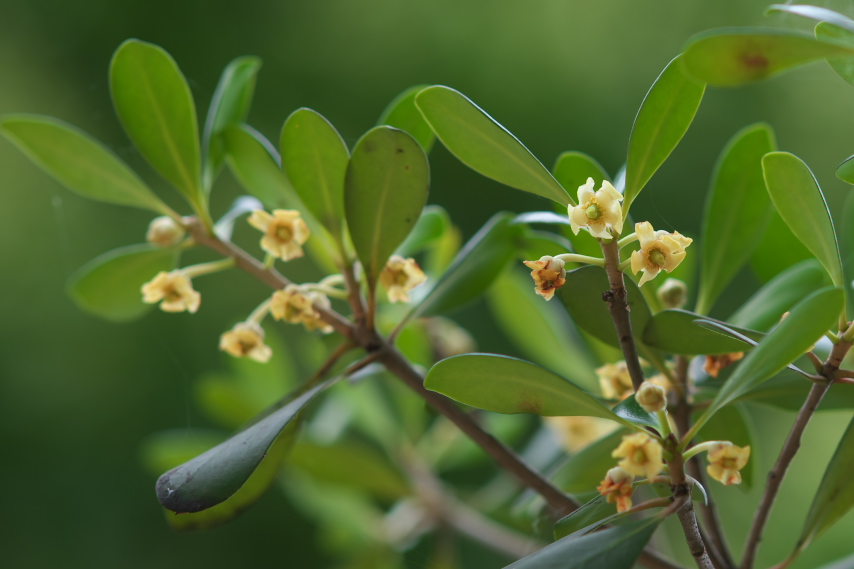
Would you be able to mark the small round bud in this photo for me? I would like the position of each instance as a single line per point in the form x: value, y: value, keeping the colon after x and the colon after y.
x: 651, y: 397
x: 164, y: 232
x: 673, y: 293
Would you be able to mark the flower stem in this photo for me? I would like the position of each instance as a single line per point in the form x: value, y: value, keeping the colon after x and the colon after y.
x: 574, y: 258
x: 201, y: 269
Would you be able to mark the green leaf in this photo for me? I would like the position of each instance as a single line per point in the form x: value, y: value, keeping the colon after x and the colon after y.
x: 572, y: 169
x: 737, y: 211
x: 229, y: 105
x: 429, y: 229
x: 835, y: 495
x: 385, y: 190
x: 845, y: 171
x: 315, y: 158
x: 214, y: 476
x: 255, y: 165
x: 788, y: 390
x: 583, y: 472
x: 675, y: 331
x: 764, y: 309
x: 508, y: 385
x: 733, y: 57
x: 844, y: 66
x: 796, y: 334
x: 156, y: 108
x: 109, y: 285
x: 800, y: 202
x: 613, y: 548
x: 589, y: 513
x: 662, y: 121
x: 630, y: 410
x: 78, y: 161
x: 403, y: 114
x: 732, y: 424
x: 814, y: 13
x: 484, y: 145
x: 778, y: 250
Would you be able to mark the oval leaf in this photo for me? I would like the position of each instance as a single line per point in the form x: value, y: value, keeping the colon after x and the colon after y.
x: 596, y: 510
x: 431, y: 226
x: 385, y: 190
x: 737, y: 211
x: 484, y: 145
x: 844, y: 66
x: 662, y: 121
x: 630, y: 410
x: 800, y: 202
x: 155, y: 106
x: 815, y: 13
x: 675, y: 331
x: 109, y: 285
x: 78, y: 161
x: 403, y: 114
x: 572, y: 169
x: 777, y: 250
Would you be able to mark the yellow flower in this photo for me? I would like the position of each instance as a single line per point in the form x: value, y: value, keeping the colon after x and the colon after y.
x: 575, y: 433
x: 714, y: 364
x: 652, y: 397
x: 174, y: 289
x: 284, y: 232
x: 597, y: 211
x: 641, y: 454
x: 615, y: 381
x: 548, y: 274
x: 164, y: 231
x: 617, y: 486
x: 659, y: 250
x: 725, y: 461
x: 399, y: 276
x: 298, y: 305
x: 246, y: 340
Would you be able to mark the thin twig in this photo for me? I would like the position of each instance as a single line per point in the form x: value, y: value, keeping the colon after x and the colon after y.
x: 696, y: 546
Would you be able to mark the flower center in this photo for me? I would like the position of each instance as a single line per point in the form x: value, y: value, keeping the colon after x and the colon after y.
x: 656, y: 257
x: 592, y: 211
x: 172, y: 295
x: 639, y: 456
x: 284, y: 233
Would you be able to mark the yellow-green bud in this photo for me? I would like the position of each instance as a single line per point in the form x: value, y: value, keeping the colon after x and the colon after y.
x: 651, y: 397
x: 673, y: 293
x: 164, y: 232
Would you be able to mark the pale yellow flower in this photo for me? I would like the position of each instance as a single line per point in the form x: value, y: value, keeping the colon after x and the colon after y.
x: 597, y: 211
x: 617, y: 486
x: 548, y: 274
x: 298, y: 305
x: 164, y: 231
x: 575, y: 433
x: 659, y: 250
x: 284, y: 232
x: 615, y: 381
x: 641, y: 455
x: 399, y: 276
x: 725, y: 461
x: 246, y: 340
x: 173, y: 290
x: 652, y: 397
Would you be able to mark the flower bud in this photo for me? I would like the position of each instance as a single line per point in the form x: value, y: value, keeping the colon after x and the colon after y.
x: 652, y: 397
x: 548, y: 274
x: 164, y: 231
x: 673, y: 293
x: 617, y: 487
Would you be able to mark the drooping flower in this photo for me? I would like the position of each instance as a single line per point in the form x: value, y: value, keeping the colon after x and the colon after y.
x: 284, y: 232
x: 652, y: 397
x: 615, y: 381
x: 548, y: 274
x: 164, y: 231
x: 598, y: 211
x: 714, y: 364
x: 575, y: 433
x: 399, y: 276
x: 659, y: 250
x: 725, y: 462
x: 173, y: 290
x: 617, y: 486
x: 641, y: 455
x: 246, y: 340
x: 298, y: 305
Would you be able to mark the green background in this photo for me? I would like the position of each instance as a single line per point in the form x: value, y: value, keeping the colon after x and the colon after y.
x: 77, y: 395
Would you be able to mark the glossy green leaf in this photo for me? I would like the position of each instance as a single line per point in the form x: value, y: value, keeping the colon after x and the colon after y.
x: 78, y: 161
x: 737, y: 211
x: 315, y: 158
x: 572, y: 169
x: 508, y: 385
x: 844, y: 66
x: 595, y: 510
x: 806, y: 323
x: 155, y: 106
x: 403, y: 114
x: 165, y: 449
x: 583, y: 472
x: 764, y: 309
x: 815, y: 13
x: 835, y: 495
x: 845, y: 171
x: 484, y: 145
x: 662, y: 121
x: 733, y: 57
x: 255, y: 165
x: 732, y: 424
x: 630, y: 410
x: 429, y: 229
x: 229, y: 105
x: 800, y: 202
x: 542, y: 333
x: 613, y: 548
x: 385, y: 190
x: 214, y: 476
x: 778, y: 249
x: 788, y: 390
x: 675, y: 331
x: 109, y: 285
x: 535, y: 244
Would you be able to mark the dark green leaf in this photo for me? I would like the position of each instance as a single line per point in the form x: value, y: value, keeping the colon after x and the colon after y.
x: 662, y: 121
x: 591, y: 512
x: 631, y: 411
x: 535, y: 244
x: 778, y: 250
x: 675, y: 331
x: 737, y: 211
x: 732, y: 424
x: 844, y: 66
x: 429, y: 229
x: 156, y: 108
x: 109, y: 285
x: 583, y: 472
x: 78, y: 161
x: 572, y: 169
x: 385, y: 190
x: 484, y: 145
x: 815, y: 13
x: 167, y: 449
x: 788, y: 390
x: 403, y: 114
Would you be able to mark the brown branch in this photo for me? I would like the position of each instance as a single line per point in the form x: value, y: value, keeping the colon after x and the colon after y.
x: 696, y: 546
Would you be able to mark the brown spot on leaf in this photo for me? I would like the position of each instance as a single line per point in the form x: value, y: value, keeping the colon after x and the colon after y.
x: 369, y: 146
x: 754, y: 61
x: 530, y: 404
x: 400, y: 151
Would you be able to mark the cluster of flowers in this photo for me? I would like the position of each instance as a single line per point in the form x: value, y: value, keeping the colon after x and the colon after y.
x: 285, y: 233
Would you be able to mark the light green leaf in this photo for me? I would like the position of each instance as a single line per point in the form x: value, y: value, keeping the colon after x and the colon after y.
x: 78, y: 161
x: 662, y: 121
x: 778, y: 249
x: 429, y: 229
x: 800, y: 202
x: 674, y: 331
x: 737, y: 211
x: 572, y: 169
x: 844, y: 66
x: 814, y: 13
x: 315, y: 158
x: 788, y: 390
x: 255, y: 165
x: 733, y: 57
x: 109, y: 285
x: 156, y: 108
x: 385, y: 190
x: 845, y: 171
x: 403, y: 114
x: 484, y: 145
